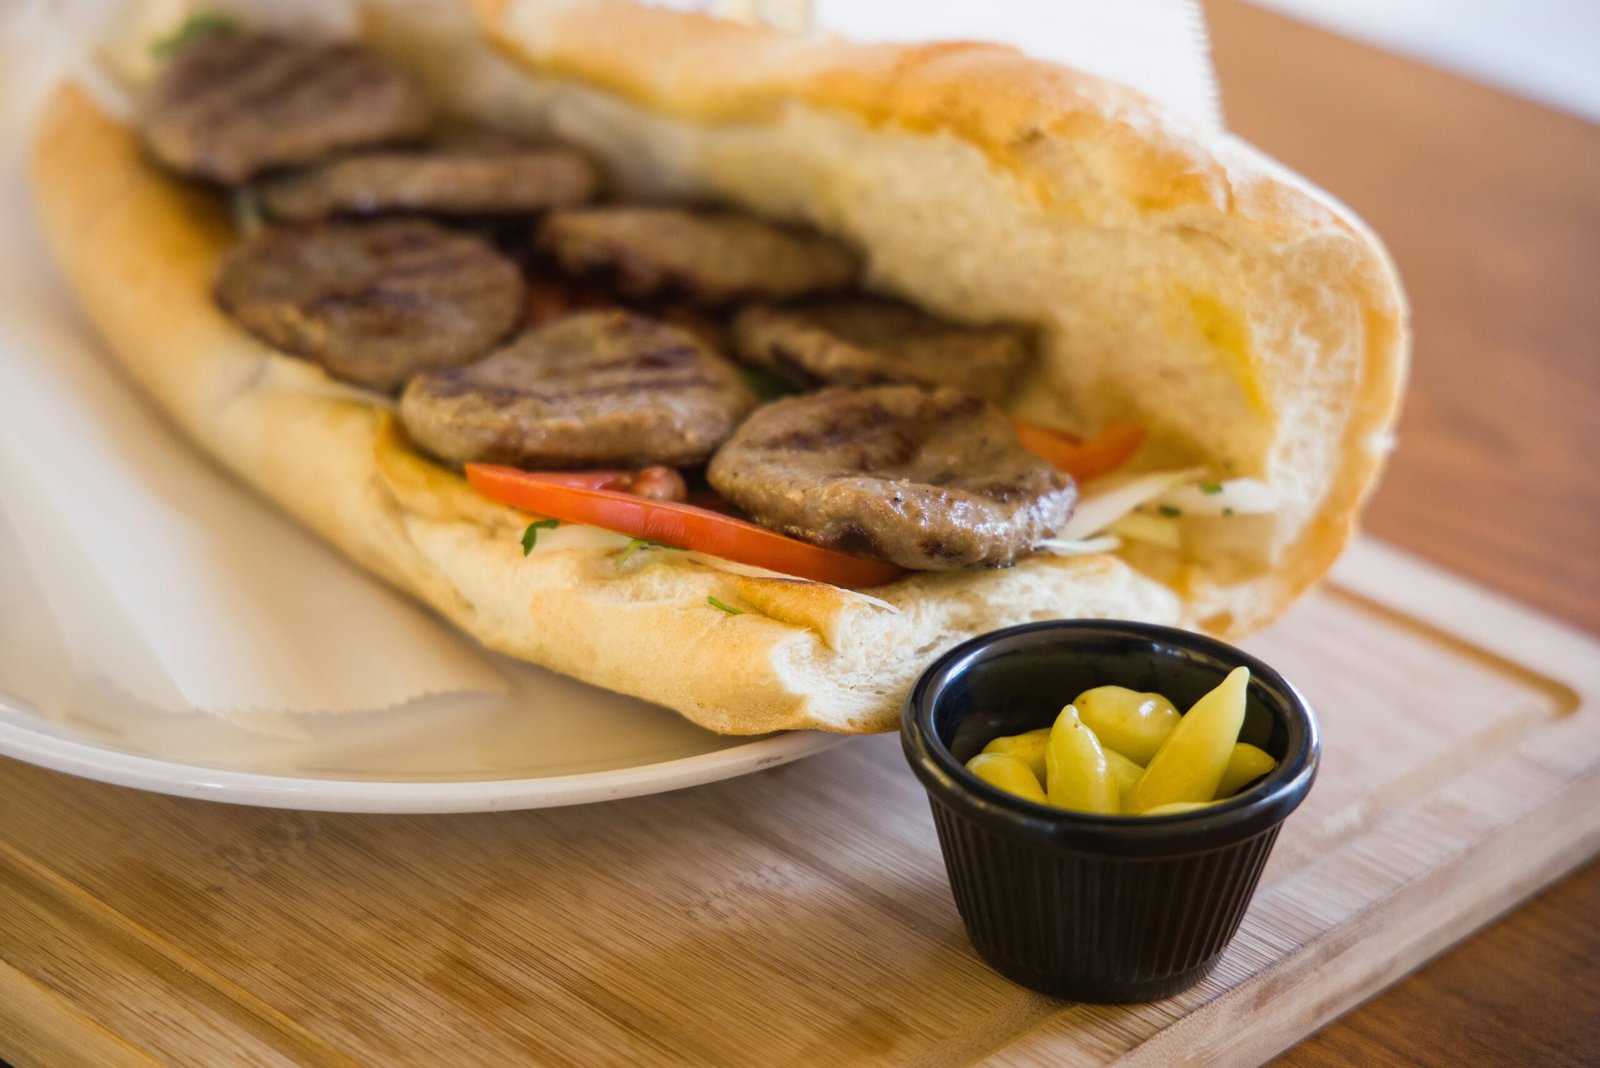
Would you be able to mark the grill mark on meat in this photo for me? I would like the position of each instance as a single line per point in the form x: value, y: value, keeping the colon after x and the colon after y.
x: 278, y: 77
x: 380, y: 295
x: 853, y: 539
x: 937, y: 549
x: 372, y: 303
x: 228, y: 107
x: 667, y: 358
x: 863, y: 341
x: 596, y: 388
x: 858, y: 447
x: 441, y: 387
x: 421, y: 267
x: 209, y: 80
x: 472, y: 178
x: 926, y: 479
x: 702, y: 256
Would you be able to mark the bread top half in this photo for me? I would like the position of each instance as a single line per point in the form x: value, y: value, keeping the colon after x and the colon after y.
x: 1180, y: 281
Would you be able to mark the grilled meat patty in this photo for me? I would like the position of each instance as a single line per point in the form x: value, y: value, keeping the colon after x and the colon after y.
x: 229, y: 106
x: 373, y: 303
x: 593, y: 389
x: 927, y: 479
x: 471, y: 179
x: 863, y: 341
x: 704, y: 257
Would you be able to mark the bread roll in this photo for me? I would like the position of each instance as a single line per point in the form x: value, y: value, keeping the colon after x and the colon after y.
x: 1252, y: 324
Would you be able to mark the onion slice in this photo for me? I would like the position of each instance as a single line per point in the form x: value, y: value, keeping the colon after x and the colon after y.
x: 1105, y: 500
x: 1236, y: 496
x: 1086, y: 547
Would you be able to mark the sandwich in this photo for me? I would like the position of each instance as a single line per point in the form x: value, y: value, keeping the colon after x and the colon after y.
x: 739, y: 372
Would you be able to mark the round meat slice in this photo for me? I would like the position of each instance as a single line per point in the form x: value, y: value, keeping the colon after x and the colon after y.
x: 863, y: 341
x: 373, y: 303
x: 465, y: 180
x: 594, y: 389
x: 704, y: 257
x: 229, y: 106
x: 927, y: 479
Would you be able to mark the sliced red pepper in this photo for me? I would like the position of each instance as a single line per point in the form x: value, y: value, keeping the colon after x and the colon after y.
x: 682, y: 526
x: 1082, y: 458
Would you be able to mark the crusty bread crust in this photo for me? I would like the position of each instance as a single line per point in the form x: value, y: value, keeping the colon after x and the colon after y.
x: 722, y: 118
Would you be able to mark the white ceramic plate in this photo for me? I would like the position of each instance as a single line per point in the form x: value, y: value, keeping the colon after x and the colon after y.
x: 551, y: 741
x: 643, y: 773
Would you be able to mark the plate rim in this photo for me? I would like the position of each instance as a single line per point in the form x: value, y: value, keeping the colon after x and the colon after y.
x: 102, y: 763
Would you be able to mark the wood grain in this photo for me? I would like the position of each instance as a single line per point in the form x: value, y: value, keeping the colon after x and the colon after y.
x: 1491, y: 206
x: 802, y: 914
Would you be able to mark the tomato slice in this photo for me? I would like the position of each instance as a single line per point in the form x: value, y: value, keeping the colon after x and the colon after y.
x: 657, y: 483
x: 1082, y: 458
x: 682, y: 526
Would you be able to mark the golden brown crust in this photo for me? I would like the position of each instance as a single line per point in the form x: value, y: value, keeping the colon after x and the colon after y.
x: 708, y: 70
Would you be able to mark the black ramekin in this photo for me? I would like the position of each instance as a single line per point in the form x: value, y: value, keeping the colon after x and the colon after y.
x: 1081, y: 906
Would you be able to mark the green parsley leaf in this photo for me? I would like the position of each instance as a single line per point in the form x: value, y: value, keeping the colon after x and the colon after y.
x: 530, y: 537
x: 728, y: 608
x: 1168, y: 510
x: 635, y: 545
x: 1210, y: 487
x: 1227, y: 511
x: 193, y: 29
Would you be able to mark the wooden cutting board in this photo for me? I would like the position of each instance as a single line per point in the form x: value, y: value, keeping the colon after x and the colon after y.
x: 797, y: 916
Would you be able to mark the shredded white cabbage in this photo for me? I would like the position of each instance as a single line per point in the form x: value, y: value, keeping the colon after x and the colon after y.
x: 751, y: 571
x: 1086, y: 547
x: 579, y: 536
x: 1147, y: 507
x: 1105, y: 500
x: 1236, y: 496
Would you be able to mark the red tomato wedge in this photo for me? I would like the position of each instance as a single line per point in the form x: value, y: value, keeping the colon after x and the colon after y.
x: 1082, y: 458
x: 682, y: 526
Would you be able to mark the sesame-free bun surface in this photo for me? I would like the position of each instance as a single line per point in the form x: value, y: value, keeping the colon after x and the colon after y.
x: 1249, y: 322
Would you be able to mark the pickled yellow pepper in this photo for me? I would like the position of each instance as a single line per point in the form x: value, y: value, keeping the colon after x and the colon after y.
x: 1133, y: 723
x: 1125, y: 771
x: 1028, y: 748
x: 1078, y: 773
x: 1190, y: 763
x: 1245, y: 764
x: 1008, y: 773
